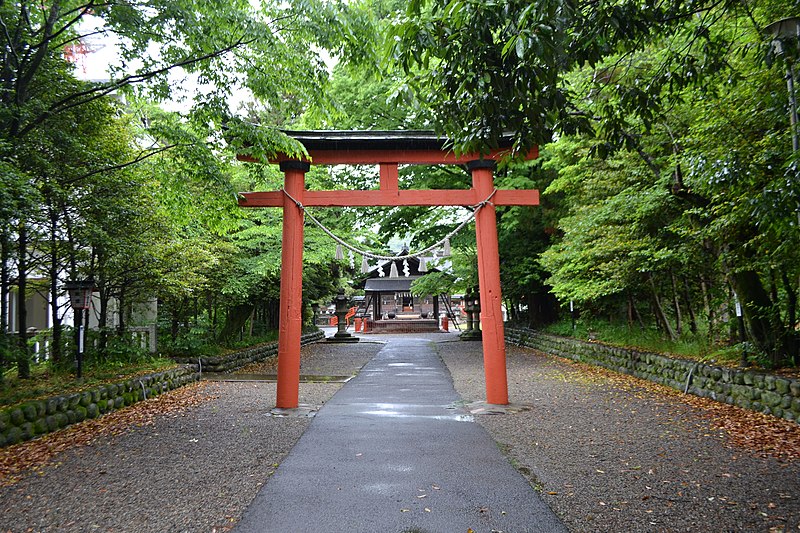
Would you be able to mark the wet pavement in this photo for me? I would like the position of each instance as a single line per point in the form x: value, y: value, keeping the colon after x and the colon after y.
x: 394, y: 451
x: 271, y: 378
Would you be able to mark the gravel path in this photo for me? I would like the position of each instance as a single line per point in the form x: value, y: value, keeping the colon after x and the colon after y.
x: 324, y: 359
x: 195, y: 471
x: 611, y: 458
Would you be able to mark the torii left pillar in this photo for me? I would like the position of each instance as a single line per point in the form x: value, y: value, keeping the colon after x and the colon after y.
x: 291, y: 305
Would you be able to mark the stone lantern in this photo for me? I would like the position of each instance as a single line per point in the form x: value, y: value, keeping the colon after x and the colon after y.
x: 476, y: 312
x: 341, y: 302
x: 314, y: 313
x: 472, y: 305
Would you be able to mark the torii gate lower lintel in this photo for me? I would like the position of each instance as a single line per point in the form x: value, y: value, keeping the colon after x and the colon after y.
x: 388, y: 150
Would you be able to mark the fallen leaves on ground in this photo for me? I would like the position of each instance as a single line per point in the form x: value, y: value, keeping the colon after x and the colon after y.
x: 761, y: 434
x: 20, y: 459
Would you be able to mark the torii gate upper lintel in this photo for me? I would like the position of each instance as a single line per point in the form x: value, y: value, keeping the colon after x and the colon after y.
x: 388, y: 149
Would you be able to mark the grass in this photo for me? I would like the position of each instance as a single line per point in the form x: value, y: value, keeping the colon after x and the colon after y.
x: 248, y: 342
x: 688, y: 346
x: 200, y: 345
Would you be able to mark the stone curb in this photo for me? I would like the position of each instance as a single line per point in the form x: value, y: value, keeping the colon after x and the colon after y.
x: 38, y: 417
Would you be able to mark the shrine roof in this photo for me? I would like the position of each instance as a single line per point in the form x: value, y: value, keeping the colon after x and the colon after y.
x: 376, y: 140
x: 387, y: 284
x: 365, y: 147
x: 370, y: 140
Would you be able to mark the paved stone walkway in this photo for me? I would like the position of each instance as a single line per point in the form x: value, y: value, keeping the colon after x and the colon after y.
x: 393, y: 452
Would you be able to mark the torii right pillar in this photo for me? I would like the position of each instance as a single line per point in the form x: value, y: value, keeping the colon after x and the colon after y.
x: 494, y: 343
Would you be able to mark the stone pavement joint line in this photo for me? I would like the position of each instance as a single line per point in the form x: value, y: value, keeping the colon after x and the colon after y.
x: 393, y: 452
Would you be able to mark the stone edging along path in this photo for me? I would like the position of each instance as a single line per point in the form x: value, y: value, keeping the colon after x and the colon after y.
x: 757, y: 391
x: 38, y: 417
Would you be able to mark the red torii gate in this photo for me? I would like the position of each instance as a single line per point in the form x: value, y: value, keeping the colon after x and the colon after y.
x: 387, y: 150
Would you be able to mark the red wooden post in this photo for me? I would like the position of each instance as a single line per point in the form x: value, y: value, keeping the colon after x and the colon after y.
x: 291, y: 305
x: 494, y: 344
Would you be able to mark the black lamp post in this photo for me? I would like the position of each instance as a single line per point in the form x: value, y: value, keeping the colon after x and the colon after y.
x: 80, y: 298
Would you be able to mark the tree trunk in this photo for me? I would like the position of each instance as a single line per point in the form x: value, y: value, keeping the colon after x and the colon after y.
x: 5, y: 252
x: 509, y: 309
x: 58, y: 326
x: 122, y: 303
x: 659, y: 310
x: 773, y: 286
x: 763, y: 321
x: 676, y: 304
x: 704, y: 288
x: 237, y: 316
x: 23, y: 357
x: 791, y: 297
x: 73, y: 260
x: 634, y: 311
x: 687, y: 297
x: 533, y: 311
x: 4, y: 288
x: 793, y: 342
x: 273, y: 310
x: 102, y: 321
x: 629, y: 314
x: 174, y: 325
x: 527, y: 315
x: 55, y: 345
x: 212, y: 311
